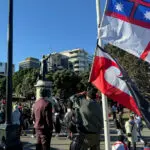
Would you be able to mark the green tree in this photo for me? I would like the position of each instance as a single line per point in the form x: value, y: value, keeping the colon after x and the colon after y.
x: 84, y: 81
x: 65, y: 83
x: 24, y: 81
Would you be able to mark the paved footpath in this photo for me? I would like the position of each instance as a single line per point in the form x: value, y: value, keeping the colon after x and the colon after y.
x: 62, y: 143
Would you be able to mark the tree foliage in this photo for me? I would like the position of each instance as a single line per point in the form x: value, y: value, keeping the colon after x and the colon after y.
x: 84, y: 81
x: 65, y: 83
x: 24, y: 81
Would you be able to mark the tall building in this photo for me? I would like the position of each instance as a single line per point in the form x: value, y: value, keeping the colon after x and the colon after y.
x: 29, y: 62
x: 78, y: 58
x: 3, y: 68
x: 90, y: 60
x: 57, y: 61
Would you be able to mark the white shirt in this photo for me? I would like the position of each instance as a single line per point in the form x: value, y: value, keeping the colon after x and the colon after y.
x: 137, y: 120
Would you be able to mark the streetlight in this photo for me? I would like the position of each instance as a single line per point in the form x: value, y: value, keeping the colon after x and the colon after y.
x: 9, y: 133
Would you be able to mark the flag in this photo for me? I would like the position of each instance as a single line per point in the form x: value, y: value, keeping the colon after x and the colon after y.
x: 111, y: 80
x: 126, y: 24
x: 143, y: 105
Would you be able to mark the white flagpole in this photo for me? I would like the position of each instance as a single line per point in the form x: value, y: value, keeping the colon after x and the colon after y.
x: 104, y: 98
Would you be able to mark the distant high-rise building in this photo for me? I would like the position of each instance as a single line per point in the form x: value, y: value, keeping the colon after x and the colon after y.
x: 57, y: 61
x: 3, y: 68
x: 90, y: 60
x: 29, y: 62
x: 78, y: 58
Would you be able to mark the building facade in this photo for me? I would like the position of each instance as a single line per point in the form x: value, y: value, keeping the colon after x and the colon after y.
x: 57, y: 61
x: 90, y: 60
x: 3, y: 68
x: 78, y: 58
x: 29, y: 62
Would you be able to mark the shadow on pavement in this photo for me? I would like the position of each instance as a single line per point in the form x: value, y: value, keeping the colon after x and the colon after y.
x: 29, y: 146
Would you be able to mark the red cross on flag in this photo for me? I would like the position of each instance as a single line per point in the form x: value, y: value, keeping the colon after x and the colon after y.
x: 126, y: 24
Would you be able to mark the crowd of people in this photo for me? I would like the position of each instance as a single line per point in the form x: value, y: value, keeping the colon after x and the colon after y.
x: 21, y: 115
x: 80, y: 117
x: 128, y: 131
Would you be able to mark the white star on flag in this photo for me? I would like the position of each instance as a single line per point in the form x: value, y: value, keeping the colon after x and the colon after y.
x: 119, y: 6
x: 147, y: 15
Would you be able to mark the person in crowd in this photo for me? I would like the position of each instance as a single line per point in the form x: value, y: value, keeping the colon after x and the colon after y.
x: 22, y: 125
x: 20, y: 107
x: 3, y: 102
x: 131, y: 131
x: 70, y: 119
x: 33, y: 131
x: 119, y: 108
x: 42, y: 116
x: 56, y: 117
x: 118, y: 127
x: 89, y: 121
x: 2, y: 115
x: 16, y: 115
x: 114, y: 111
x: 120, y: 144
x: 3, y: 107
x: 139, y: 124
x: 121, y: 121
x: 62, y: 108
x: 56, y: 121
x: 147, y: 146
x: 25, y: 119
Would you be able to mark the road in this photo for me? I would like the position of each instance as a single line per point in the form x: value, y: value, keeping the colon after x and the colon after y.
x: 62, y: 142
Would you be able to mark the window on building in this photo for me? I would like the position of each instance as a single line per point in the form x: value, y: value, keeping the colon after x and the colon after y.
x: 76, y: 67
x: 76, y: 62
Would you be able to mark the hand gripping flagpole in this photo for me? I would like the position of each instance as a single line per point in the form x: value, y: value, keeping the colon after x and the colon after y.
x: 104, y: 98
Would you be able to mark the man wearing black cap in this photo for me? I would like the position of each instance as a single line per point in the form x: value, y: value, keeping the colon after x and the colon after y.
x: 89, y: 121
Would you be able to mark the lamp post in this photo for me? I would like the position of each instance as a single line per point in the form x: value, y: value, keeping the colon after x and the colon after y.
x: 9, y: 64
x: 9, y: 133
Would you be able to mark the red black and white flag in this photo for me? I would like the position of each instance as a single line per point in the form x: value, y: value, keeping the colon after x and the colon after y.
x: 111, y: 80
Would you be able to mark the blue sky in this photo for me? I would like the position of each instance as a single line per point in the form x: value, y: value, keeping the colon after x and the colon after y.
x: 45, y: 26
